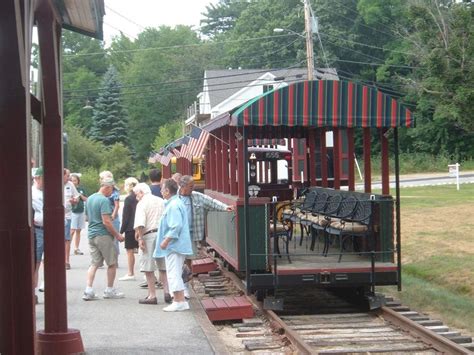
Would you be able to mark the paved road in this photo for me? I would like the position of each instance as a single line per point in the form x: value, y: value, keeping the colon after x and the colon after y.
x: 123, y: 326
x: 424, y: 180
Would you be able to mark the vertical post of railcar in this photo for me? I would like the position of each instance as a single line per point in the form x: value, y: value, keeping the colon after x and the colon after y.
x: 246, y: 208
x: 397, y: 208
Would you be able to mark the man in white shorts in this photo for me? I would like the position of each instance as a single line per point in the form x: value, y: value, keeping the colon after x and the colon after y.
x: 147, y: 216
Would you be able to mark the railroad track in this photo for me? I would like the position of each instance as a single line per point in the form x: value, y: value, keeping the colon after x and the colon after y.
x: 334, y: 325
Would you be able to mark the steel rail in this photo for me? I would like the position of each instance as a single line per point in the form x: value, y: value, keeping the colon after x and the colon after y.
x: 276, y: 321
x: 426, y: 335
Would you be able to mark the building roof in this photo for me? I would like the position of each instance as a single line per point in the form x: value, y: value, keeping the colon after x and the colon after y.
x: 222, y: 84
x: 82, y: 16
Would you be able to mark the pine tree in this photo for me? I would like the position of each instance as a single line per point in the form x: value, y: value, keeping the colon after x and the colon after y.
x: 109, y: 119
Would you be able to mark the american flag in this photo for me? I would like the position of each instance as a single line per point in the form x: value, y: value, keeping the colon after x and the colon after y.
x: 197, y: 141
x: 166, y: 157
x: 176, y: 152
x: 185, y: 148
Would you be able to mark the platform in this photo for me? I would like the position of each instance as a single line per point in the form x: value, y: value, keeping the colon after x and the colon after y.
x: 304, y: 259
x: 125, y: 327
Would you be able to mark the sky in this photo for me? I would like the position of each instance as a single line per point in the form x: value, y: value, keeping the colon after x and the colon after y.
x: 132, y: 16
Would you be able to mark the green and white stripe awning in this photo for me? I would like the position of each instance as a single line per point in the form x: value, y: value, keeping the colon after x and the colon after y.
x: 323, y: 103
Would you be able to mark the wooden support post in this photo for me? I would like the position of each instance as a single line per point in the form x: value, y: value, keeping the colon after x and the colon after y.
x: 225, y: 159
x: 233, y: 161
x: 351, y: 157
x: 312, y: 157
x: 212, y: 164
x: 385, y: 162
x: 56, y: 338
x: 324, y: 158
x: 337, y: 158
x: 17, y: 310
x: 367, y: 163
x: 220, y: 163
x: 240, y: 167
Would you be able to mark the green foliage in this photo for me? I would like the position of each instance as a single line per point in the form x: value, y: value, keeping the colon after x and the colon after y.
x: 166, y: 134
x: 168, y: 81
x: 118, y: 159
x: 90, y: 180
x: 83, y: 153
x: 221, y: 18
x: 109, y: 120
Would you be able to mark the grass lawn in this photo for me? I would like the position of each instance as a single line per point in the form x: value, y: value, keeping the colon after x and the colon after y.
x: 438, y: 252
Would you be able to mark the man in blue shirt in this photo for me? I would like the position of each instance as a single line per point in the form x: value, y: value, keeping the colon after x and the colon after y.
x: 174, y: 243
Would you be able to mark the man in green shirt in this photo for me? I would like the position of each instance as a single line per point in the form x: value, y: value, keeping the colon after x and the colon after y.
x: 101, y: 234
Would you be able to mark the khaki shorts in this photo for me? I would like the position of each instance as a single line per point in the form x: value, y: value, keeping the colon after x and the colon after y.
x: 147, y: 263
x: 196, y: 244
x: 102, y: 248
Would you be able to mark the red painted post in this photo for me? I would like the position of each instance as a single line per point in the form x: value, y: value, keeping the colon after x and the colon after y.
x: 212, y: 164
x: 225, y: 159
x: 220, y: 162
x: 324, y: 158
x: 240, y: 166
x: 312, y: 157
x: 336, y: 158
x: 166, y: 171
x: 351, y: 157
x: 56, y: 337
x: 367, y: 164
x: 233, y: 161
x: 17, y: 310
x: 385, y: 162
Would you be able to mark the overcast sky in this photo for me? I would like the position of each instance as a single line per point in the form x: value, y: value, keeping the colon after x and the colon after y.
x: 131, y: 16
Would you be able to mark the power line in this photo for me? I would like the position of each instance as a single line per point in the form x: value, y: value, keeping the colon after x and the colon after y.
x: 124, y: 17
x: 177, y: 46
x: 115, y: 28
x: 186, y: 80
x: 180, y: 91
x: 368, y: 45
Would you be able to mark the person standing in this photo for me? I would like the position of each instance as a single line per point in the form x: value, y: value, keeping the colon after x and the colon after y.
x: 147, y: 216
x: 155, y: 179
x: 37, y: 205
x: 197, y: 205
x: 114, y: 200
x: 174, y: 243
x: 101, y: 234
x: 78, y: 220
x: 126, y: 228
x: 71, y: 198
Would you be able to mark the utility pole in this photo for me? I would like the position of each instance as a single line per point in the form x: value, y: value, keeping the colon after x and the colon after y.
x: 309, y: 38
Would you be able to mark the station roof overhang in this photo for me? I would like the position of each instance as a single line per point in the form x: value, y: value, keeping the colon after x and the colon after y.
x: 318, y: 104
x: 82, y: 16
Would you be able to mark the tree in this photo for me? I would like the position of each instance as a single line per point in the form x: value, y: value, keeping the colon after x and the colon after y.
x: 221, y: 18
x: 164, y: 79
x: 441, y: 81
x: 109, y: 117
x: 84, y: 64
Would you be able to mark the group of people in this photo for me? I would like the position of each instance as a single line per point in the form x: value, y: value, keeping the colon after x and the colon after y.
x: 165, y: 221
x: 74, y: 215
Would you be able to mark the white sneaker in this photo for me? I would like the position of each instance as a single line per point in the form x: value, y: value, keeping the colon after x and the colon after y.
x: 186, y: 291
x: 113, y: 294
x: 89, y: 296
x: 177, y: 307
x: 127, y: 278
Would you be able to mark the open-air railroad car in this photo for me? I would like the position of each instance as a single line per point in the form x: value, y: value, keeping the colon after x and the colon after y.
x: 327, y: 237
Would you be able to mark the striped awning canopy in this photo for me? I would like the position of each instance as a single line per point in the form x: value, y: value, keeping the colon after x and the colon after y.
x: 323, y: 103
